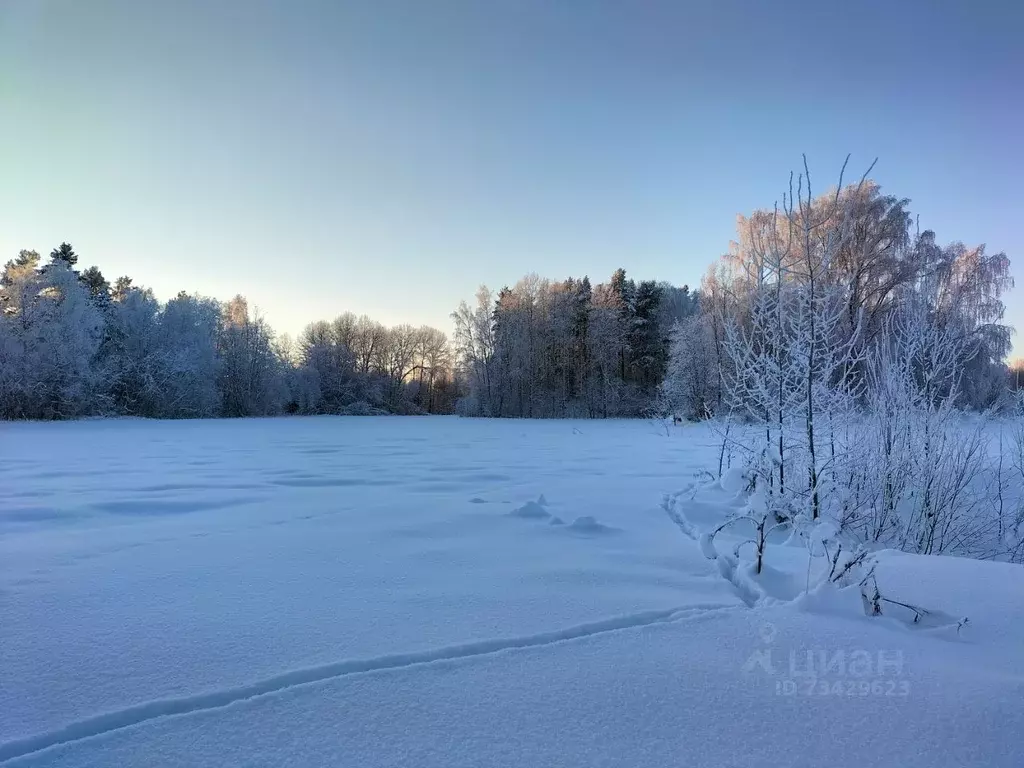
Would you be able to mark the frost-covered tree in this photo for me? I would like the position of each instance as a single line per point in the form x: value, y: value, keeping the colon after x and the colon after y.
x: 368, y: 338
x: 133, y: 361
x: 250, y: 373
x: 857, y: 414
x: 188, y: 331
x: 431, y: 372
x: 691, y: 385
x: 788, y: 359
x: 398, y: 360
x: 356, y: 364
x: 546, y: 348
x: 330, y: 364
x: 964, y: 293
x: 20, y: 286
x: 878, y: 260
x: 916, y: 467
x: 66, y: 332
x: 474, y: 346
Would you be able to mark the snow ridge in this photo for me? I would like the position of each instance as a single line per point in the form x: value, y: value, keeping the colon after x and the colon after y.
x: 108, y: 722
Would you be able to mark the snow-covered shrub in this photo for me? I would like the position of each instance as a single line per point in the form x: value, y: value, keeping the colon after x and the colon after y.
x: 787, y: 374
x: 915, y: 474
x: 363, y: 408
x: 905, y: 469
x: 756, y: 517
x: 867, y: 436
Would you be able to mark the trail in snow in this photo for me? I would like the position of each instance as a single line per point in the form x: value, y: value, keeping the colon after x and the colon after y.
x: 141, y: 602
x: 187, y: 568
x: 152, y: 710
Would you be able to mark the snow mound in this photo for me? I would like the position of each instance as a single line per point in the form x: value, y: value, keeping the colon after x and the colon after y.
x: 588, y: 524
x: 707, y: 546
x: 828, y: 598
x: 532, y: 510
x: 734, y: 480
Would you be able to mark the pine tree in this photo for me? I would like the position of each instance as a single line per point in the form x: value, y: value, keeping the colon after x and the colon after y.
x: 647, y: 352
x: 65, y: 253
x: 99, y: 288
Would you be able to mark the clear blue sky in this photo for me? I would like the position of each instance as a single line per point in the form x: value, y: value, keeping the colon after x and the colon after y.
x: 387, y: 157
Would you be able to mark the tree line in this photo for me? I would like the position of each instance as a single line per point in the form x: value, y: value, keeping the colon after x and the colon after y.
x: 72, y: 344
x: 622, y: 348
x: 568, y: 348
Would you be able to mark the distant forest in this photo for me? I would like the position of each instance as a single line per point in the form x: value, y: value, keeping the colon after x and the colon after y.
x: 72, y: 344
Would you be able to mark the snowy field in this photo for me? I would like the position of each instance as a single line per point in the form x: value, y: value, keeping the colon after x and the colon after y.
x: 395, y: 592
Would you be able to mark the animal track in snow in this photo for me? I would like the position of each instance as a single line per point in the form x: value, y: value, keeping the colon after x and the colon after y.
x: 109, y: 722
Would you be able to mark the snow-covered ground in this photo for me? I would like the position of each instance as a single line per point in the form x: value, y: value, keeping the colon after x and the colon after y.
x: 396, y: 592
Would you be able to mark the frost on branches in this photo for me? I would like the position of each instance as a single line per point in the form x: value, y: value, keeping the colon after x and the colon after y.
x: 845, y: 416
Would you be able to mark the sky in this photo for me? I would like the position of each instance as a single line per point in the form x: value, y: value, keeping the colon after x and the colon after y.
x: 388, y: 157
